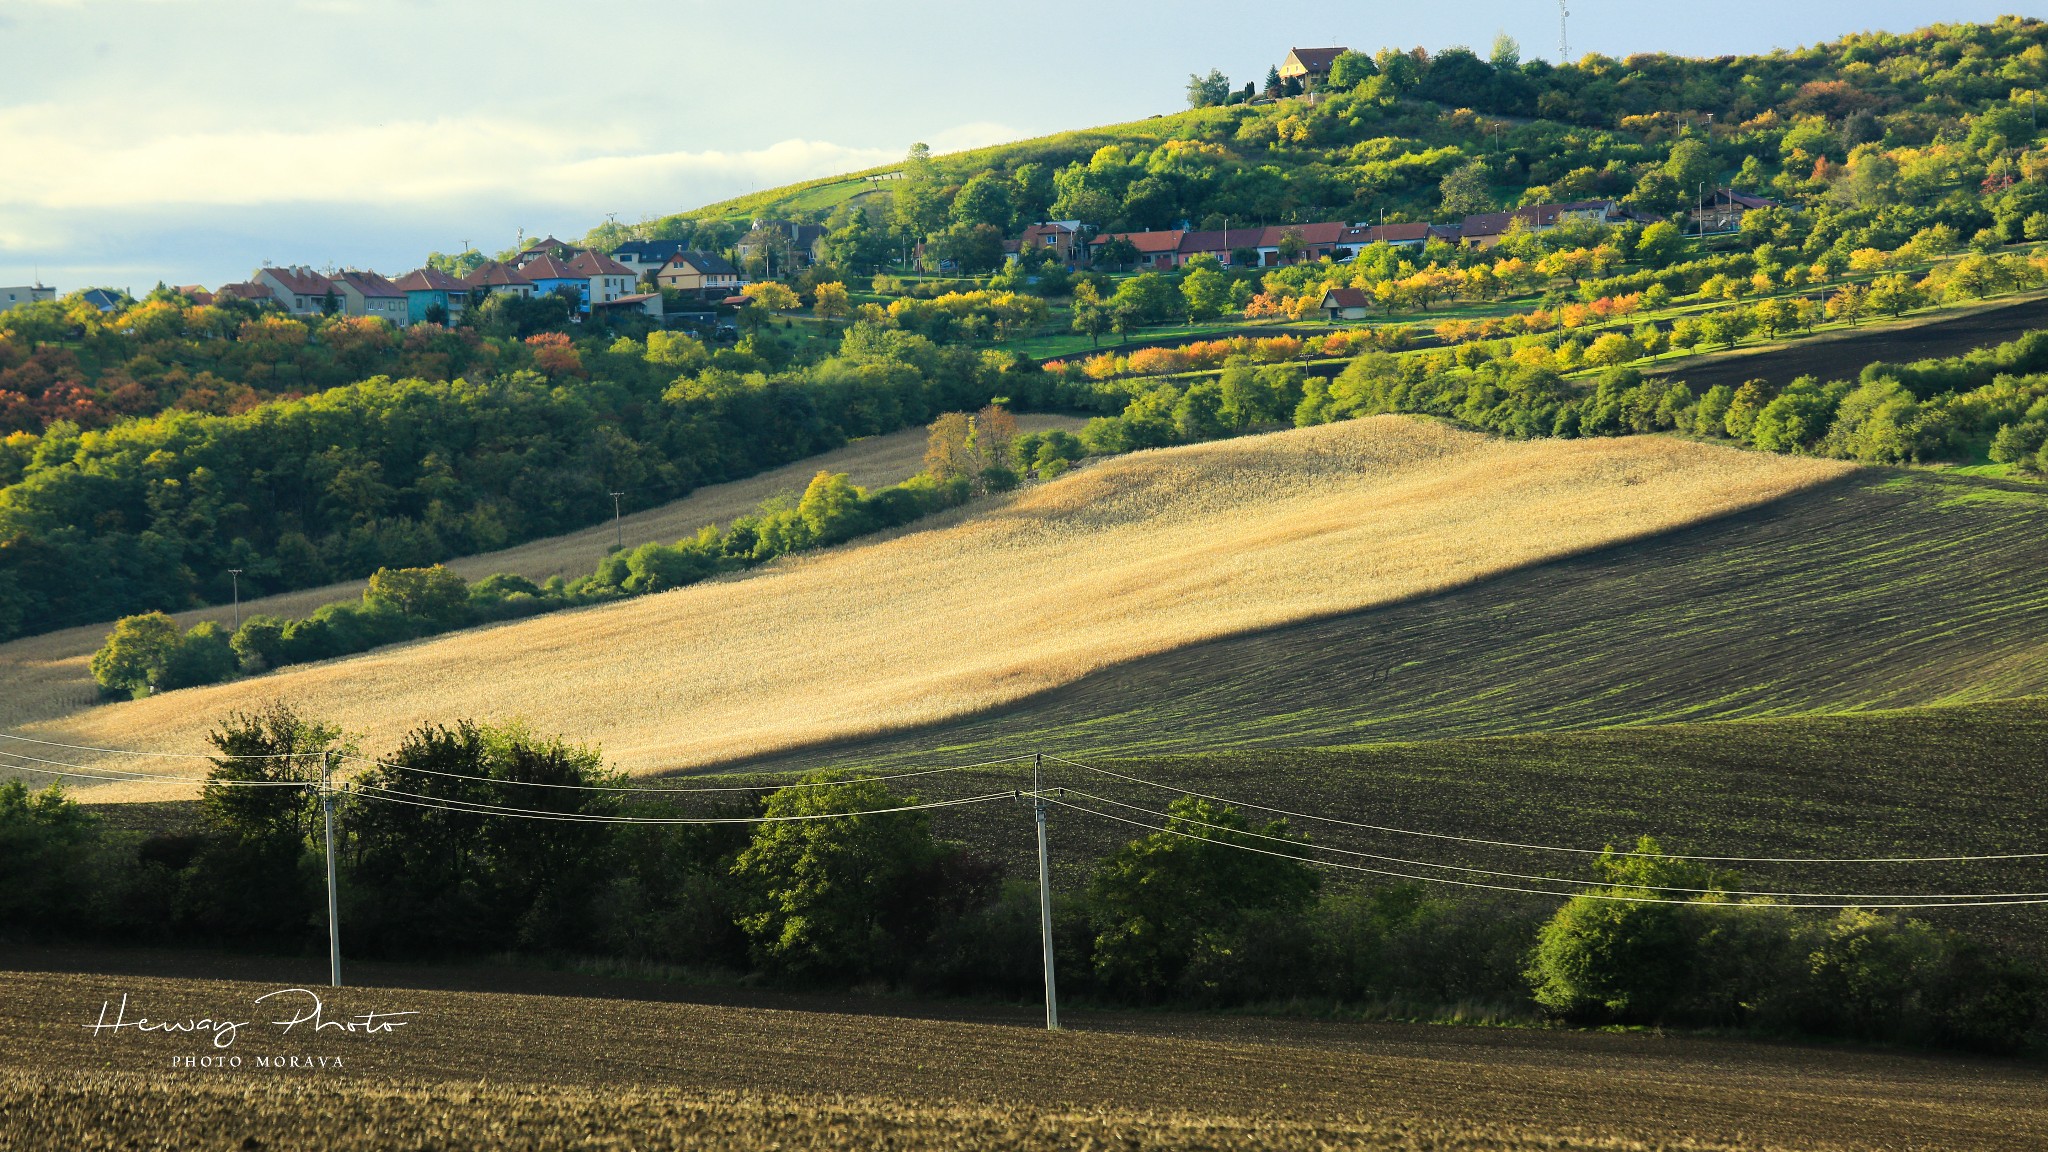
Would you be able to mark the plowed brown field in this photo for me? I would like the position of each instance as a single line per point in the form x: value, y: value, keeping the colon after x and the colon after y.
x: 501, y: 1071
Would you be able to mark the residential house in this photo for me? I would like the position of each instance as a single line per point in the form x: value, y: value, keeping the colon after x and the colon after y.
x: 26, y: 294
x: 196, y: 293
x: 1063, y: 238
x: 781, y: 245
x: 647, y: 302
x: 1309, y: 66
x: 1344, y: 304
x: 604, y: 279
x: 1724, y: 210
x: 1489, y: 228
x: 431, y: 288
x: 552, y: 274
x: 105, y: 299
x: 368, y: 294
x: 1311, y: 242
x: 1399, y: 235
x: 559, y: 249
x: 701, y: 273
x: 299, y: 290
x: 646, y: 257
x: 1156, y: 250
x: 495, y: 279
x: 246, y: 290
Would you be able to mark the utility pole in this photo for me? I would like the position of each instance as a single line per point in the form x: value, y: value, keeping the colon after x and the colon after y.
x: 333, y: 907
x: 618, y: 528
x: 235, y: 574
x: 1052, y: 998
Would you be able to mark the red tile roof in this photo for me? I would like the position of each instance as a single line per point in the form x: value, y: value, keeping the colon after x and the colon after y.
x: 1147, y: 243
x: 243, y: 291
x: 369, y: 284
x: 1346, y: 298
x: 588, y: 263
x: 430, y: 280
x: 548, y: 268
x: 300, y: 281
x: 496, y: 275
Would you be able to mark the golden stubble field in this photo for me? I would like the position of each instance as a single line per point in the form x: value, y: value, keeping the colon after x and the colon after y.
x: 988, y: 605
x: 489, y: 1070
x: 46, y: 676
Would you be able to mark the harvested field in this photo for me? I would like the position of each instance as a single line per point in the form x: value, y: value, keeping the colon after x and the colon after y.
x: 493, y: 1070
x: 1842, y: 355
x: 981, y: 608
x: 46, y: 676
x: 1886, y: 589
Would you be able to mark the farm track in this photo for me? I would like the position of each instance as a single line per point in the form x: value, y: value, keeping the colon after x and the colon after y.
x: 498, y: 1070
x: 1884, y: 589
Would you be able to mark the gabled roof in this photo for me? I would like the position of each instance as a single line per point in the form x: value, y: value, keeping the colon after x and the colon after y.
x: 650, y: 249
x: 547, y: 268
x: 1316, y: 59
x: 368, y: 284
x: 496, y: 275
x: 588, y: 263
x: 1346, y: 298
x: 704, y: 263
x: 1390, y: 234
x: 429, y: 280
x: 299, y: 281
x: 242, y: 291
x: 540, y: 247
x: 1147, y: 243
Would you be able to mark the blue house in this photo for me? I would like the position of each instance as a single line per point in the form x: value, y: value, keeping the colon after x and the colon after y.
x: 549, y: 274
x: 432, y: 288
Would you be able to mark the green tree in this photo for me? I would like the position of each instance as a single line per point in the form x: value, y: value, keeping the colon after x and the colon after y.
x: 832, y: 897
x: 1207, y: 291
x: 1350, y: 69
x: 203, y: 656
x: 985, y: 199
x: 1208, y: 91
x: 430, y: 597
x: 1623, y: 951
x: 1466, y: 191
x: 1091, y: 315
x: 133, y: 657
x: 1158, y: 902
x: 1660, y: 245
x: 1895, y: 294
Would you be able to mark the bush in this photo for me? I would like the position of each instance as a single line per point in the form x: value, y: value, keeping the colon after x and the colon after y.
x: 203, y: 656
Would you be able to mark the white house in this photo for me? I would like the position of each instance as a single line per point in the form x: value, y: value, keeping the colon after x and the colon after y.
x: 26, y: 294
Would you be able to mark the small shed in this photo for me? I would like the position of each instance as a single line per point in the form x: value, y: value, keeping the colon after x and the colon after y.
x: 1345, y: 304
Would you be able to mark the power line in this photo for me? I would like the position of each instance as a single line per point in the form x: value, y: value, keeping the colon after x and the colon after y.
x: 683, y: 791
x: 477, y: 808
x: 1553, y: 847
x: 70, y: 769
x: 1531, y: 891
x: 157, y: 755
x: 1311, y: 846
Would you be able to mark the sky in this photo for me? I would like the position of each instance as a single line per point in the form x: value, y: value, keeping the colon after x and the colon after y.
x: 189, y: 141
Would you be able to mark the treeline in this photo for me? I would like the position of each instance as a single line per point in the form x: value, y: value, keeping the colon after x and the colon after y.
x: 151, y: 514
x: 966, y: 456
x: 847, y: 890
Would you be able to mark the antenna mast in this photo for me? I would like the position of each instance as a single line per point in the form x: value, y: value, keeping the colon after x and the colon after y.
x: 1564, y: 50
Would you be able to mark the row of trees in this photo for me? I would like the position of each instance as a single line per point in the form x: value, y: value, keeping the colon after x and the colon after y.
x: 404, y: 473
x: 842, y: 886
x: 968, y: 455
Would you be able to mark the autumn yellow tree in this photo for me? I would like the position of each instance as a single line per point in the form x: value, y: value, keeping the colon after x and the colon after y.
x: 770, y: 296
x: 832, y: 302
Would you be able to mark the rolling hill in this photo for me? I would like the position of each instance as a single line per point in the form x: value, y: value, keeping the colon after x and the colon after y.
x: 986, y: 607
x: 45, y: 676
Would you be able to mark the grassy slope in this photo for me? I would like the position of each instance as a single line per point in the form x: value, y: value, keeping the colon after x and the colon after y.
x: 46, y: 676
x: 1884, y: 589
x: 521, y: 1071
x: 1130, y: 557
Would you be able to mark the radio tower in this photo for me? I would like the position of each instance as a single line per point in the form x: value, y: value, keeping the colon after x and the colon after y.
x: 1564, y: 50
